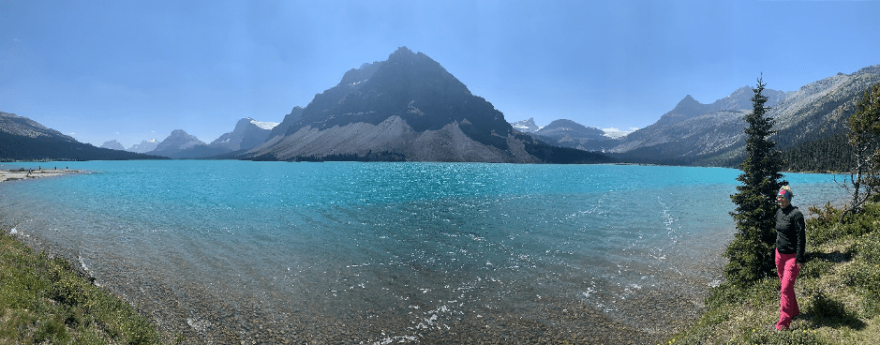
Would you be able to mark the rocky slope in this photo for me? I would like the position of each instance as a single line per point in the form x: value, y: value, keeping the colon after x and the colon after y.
x: 408, y: 107
x: 24, y: 139
x: 712, y: 134
x: 248, y: 133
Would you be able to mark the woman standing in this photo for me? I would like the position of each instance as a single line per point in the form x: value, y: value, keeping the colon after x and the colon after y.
x: 790, y: 242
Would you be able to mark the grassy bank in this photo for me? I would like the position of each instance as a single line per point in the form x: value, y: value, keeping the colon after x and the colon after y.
x: 838, y: 292
x: 44, y: 301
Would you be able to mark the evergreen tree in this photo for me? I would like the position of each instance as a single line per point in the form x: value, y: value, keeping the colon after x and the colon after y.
x: 864, y: 138
x: 751, y: 253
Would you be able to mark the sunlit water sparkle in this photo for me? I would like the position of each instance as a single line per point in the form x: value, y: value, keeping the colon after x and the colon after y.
x: 388, y: 250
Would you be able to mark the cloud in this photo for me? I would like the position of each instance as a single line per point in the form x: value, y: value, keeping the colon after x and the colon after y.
x: 71, y: 133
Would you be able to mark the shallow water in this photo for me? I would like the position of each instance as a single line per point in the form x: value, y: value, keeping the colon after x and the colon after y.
x: 382, y: 252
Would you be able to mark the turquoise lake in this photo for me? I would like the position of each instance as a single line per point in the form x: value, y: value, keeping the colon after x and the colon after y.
x: 383, y: 253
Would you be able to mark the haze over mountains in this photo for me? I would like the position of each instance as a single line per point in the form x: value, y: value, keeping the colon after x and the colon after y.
x: 410, y: 108
x: 24, y: 139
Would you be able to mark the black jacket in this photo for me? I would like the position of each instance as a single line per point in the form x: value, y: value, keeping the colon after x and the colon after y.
x: 790, y: 232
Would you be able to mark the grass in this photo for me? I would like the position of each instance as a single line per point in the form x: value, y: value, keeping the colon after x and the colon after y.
x: 838, y: 292
x: 44, y: 301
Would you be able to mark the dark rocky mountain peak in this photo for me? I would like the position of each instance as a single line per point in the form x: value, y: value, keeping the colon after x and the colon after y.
x: 248, y: 133
x: 411, y: 86
x: 407, y: 107
x: 289, y: 121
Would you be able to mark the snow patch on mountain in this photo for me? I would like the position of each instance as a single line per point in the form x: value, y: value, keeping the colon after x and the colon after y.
x: 615, y: 133
x: 265, y: 125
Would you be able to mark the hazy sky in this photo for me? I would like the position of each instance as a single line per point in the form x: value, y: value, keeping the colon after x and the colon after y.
x: 135, y: 70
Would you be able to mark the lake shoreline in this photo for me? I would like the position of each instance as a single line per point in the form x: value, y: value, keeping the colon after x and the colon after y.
x: 203, y: 316
x: 418, y: 252
x: 28, y: 174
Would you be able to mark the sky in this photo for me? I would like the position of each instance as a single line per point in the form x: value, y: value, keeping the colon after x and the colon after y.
x: 137, y: 70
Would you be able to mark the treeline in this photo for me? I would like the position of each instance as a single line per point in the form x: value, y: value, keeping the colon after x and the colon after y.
x: 829, y: 154
x: 561, y: 155
x: 21, y: 148
x: 384, y: 156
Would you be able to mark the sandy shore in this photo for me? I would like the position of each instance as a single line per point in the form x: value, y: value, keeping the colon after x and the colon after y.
x: 24, y: 174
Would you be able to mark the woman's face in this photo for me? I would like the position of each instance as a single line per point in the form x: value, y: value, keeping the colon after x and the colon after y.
x: 782, y: 201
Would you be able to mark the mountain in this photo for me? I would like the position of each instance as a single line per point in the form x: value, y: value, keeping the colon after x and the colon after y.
x: 144, y: 147
x: 15, y: 125
x: 24, y: 139
x: 526, y: 126
x: 568, y: 133
x: 113, y: 145
x: 289, y: 119
x: 406, y: 108
x: 712, y: 134
x: 176, y: 145
x: 248, y: 133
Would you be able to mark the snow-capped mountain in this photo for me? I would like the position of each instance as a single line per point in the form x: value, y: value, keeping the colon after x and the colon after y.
x: 615, y: 133
x: 526, y: 126
x: 248, y: 133
x: 145, y: 146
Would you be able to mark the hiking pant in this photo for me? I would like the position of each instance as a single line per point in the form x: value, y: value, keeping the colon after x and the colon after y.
x: 786, y: 266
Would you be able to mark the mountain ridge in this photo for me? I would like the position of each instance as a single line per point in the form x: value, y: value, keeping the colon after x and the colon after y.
x: 24, y: 139
x: 407, y: 106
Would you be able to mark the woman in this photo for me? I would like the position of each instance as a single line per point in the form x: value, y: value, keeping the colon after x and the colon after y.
x: 790, y: 242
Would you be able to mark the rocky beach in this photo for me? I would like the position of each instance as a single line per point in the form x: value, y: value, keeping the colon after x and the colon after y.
x: 25, y: 174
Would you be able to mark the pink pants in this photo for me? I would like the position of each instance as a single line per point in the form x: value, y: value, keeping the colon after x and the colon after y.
x: 786, y: 266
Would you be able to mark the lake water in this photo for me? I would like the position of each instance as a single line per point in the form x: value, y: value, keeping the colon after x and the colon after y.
x: 378, y: 253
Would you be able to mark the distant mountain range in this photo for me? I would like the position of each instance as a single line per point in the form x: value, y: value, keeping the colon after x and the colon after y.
x: 248, y: 133
x: 712, y: 134
x: 144, y: 147
x: 24, y: 139
x: 694, y: 133
x: 409, y: 108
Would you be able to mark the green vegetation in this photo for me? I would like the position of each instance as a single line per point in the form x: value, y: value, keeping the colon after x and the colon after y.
x: 44, y: 301
x: 750, y: 254
x: 864, y: 138
x: 838, y: 291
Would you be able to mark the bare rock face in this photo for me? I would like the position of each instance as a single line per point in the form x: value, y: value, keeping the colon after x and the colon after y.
x: 408, y: 107
x: 248, y: 133
x: 24, y: 127
x: 712, y: 134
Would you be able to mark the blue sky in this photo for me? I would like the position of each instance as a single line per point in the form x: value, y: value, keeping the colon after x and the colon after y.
x: 136, y: 70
